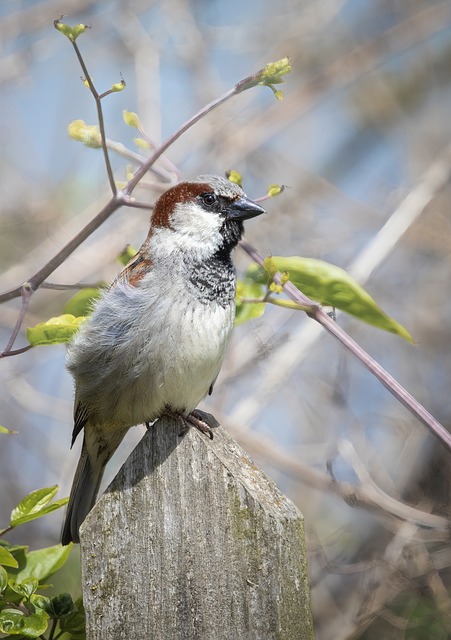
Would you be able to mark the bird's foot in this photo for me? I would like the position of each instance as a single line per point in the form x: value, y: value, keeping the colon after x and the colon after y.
x: 202, y: 421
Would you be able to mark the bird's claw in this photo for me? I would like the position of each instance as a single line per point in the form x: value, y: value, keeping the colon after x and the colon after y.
x: 202, y: 421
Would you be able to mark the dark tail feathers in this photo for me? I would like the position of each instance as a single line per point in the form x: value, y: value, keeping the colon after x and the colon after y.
x: 82, y: 496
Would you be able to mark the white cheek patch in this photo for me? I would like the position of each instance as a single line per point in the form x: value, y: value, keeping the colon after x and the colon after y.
x: 193, y: 230
x: 189, y: 218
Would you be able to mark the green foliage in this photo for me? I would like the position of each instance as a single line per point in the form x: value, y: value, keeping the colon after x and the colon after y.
x: 18, y: 623
x: 25, y: 613
x: 6, y: 557
x: 329, y: 285
x: 247, y: 290
x: 44, y: 562
x: 74, y: 623
x: 35, y: 505
x: 126, y: 255
x: 81, y: 303
x: 61, y: 329
x: 423, y: 617
x: 54, y: 331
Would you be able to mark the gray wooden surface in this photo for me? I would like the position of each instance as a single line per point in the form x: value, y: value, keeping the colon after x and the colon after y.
x: 193, y: 541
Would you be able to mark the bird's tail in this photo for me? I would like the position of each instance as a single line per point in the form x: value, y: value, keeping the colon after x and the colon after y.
x: 82, y: 496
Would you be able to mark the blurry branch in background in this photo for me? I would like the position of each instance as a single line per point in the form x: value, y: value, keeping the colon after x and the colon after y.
x: 367, y: 495
x: 383, y: 580
x: 341, y: 72
x: 405, y: 561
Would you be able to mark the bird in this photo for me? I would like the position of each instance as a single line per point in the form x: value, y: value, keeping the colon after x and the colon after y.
x: 155, y: 340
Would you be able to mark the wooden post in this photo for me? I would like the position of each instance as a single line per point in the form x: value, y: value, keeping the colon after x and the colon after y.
x: 193, y: 542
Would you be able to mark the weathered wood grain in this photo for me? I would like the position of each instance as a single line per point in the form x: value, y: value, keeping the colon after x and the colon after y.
x: 193, y: 541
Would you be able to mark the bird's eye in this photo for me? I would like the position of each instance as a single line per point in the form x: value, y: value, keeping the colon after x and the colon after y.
x: 208, y: 199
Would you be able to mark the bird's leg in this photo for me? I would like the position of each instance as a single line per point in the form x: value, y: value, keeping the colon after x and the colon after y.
x: 203, y: 422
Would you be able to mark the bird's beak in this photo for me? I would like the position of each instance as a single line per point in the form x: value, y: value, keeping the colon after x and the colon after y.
x: 243, y: 209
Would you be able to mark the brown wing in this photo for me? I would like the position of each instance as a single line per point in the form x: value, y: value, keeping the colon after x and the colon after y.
x: 134, y: 270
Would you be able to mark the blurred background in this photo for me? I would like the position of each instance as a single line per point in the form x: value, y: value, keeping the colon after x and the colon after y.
x: 362, y: 141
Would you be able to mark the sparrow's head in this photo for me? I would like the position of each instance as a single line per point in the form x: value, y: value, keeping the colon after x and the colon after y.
x: 202, y: 216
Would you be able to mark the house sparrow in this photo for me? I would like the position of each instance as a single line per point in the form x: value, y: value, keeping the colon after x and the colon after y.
x: 155, y: 342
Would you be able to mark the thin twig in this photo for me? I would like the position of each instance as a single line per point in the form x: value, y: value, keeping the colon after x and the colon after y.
x: 131, y: 184
x: 5, y: 530
x: 98, y: 101
x: 64, y: 287
x: 15, y: 352
x: 26, y: 293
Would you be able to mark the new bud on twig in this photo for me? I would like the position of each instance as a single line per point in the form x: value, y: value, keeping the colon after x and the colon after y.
x: 89, y: 134
x: 131, y: 119
x: 235, y: 177
x: 70, y: 32
x: 269, y: 76
x: 275, y: 190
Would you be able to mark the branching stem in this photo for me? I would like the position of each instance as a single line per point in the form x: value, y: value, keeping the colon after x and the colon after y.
x: 98, y: 101
x: 131, y: 184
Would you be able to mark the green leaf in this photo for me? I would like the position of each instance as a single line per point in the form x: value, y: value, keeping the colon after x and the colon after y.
x: 3, y: 579
x: 126, y: 255
x: 40, y: 602
x: 245, y: 311
x: 268, y: 76
x: 81, y: 303
x: 26, y: 588
x: 5, y: 430
x: 61, y: 606
x: 88, y: 134
x: 41, y: 564
x: 35, y: 505
x: 55, y: 330
x: 75, y: 624
x: 7, y: 559
x: 33, y: 502
x: 70, y: 32
x: 16, y: 623
x: 331, y: 285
